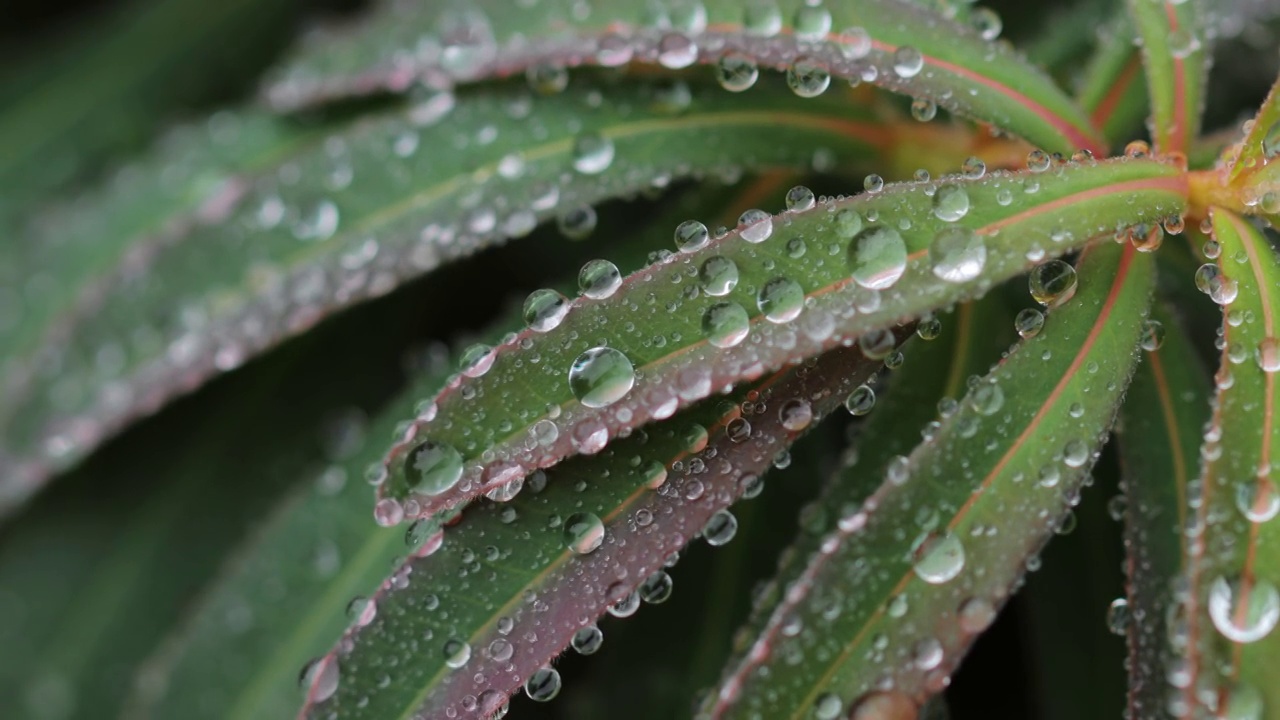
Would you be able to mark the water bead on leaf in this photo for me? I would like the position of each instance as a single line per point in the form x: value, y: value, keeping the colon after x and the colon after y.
x: 592, y: 153
x: 720, y: 529
x: 855, y: 43
x: 1053, y: 283
x: 544, y: 309
x: 1243, y: 614
x: 781, y: 300
x: 599, y: 279
x: 320, y: 678
x: 986, y: 22
x: 583, y: 532
x: 795, y: 415
x: 736, y: 72
x: 1258, y: 500
x: 799, y: 199
x: 587, y: 640
x: 1268, y: 354
x: 907, y: 62
x: 543, y: 685
x: 861, y: 400
x: 762, y: 18
x: 957, y: 254
x: 725, y: 324
x: 811, y: 22
x: 924, y: 109
x: 755, y: 226
x: 432, y: 467
x: 950, y: 202
x: 547, y: 78
x: 928, y: 328
x: 1028, y: 323
x: 808, y: 77
x: 601, y: 376
x: 656, y: 588
x: 1038, y: 161
x: 676, y: 51
x: 939, y: 559
x: 986, y: 399
x: 1152, y: 335
x: 476, y: 360
x: 691, y: 235
x: 457, y: 653
x: 718, y: 275
x: 873, y: 183
x: 576, y: 223
x: 877, y: 257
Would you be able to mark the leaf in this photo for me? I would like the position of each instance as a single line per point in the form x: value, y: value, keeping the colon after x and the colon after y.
x: 526, y: 592
x: 1233, y: 604
x: 521, y: 413
x: 940, y: 60
x: 1161, y: 423
x: 1177, y: 65
x: 384, y: 201
x: 1262, y: 141
x: 908, y: 579
x: 320, y: 549
x: 1113, y: 90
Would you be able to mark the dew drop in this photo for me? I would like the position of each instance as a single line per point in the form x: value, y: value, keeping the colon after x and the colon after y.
x: 1257, y: 499
x: 924, y: 109
x: 861, y: 401
x: 887, y: 705
x: 781, y: 300
x: 976, y: 615
x: 877, y: 257
x: 720, y: 528
x: 431, y: 467
x: 762, y: 18
x: 388, y: 512
x: 544, y: 309
x: 939, y: 559
x: 827, y: 706
x: 476, y: 360
x: 456, y: 653
x: 907, y: 62
x: 543, y: 685
x: 811, y: 22
x: 1053, y: 283
x: 599, y: 279
x: 736, y: 72
x: 1028, y: 323
x: 1268, y: 354
x: 799, y: 199
x: 320, y: 678
x: 1118, y: 617
x: 1152, y: 335
x: 587, y: 640
x: 583, y: 533
x: 1243, y: 616
x: 957, y: 254
x: 718, y: 276
x: 986, y: 398
x: 656, y: 588
x: 725, y: 324
x: 691, y: 235
x: 601, y: 376
x: 592, y: 153
x: 808, y: 77
x: 676, y: 51
x: 755, y: 226
x: 795, y: 415
x: 578, y: 222
x: 855, y: 43
x: 950, y: 202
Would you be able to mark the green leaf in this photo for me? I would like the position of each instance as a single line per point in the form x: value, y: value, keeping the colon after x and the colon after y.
x: 1233, y: 603
x: 1176, y: 59
x: 1113, y: 90
x: 1262, y: 142
x: 351, y: 218
x: 908, y: 579
x: 505, y: 592
x: 1160, y: 427
x: 320, y: 549
x: 519, y: 412
x: 910, y: 49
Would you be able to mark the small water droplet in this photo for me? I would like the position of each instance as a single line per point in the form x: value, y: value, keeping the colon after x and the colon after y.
x: 592, y: 153
x: 587, y: 640
x: 1152, y: 335
x: 950, y: 202
x: 456, y: 653
x: 432, y: 468
x: 1257, y: 499
x: 986, y: 398
x: 656, y: 588
x: 755, y: 226
x: 811, y: 22
x: 718, y: 276
x: 1028, y: 323
x: 861, y: 400
x: 1118, y: 617
x: 601, y: 376
x: 939, y: 558
x: 676, y: 51
x: 799, y: 199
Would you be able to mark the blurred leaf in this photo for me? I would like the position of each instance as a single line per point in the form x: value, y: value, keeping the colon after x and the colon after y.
x: 909, y: 578
x: 374, y: 205
x: 528, y: 591
x: 1262, y: 142
x: 1176, y: 59
x: 1161, y: 424
x: 1113, y: 90
x: 904, y: 47
x: 666, y: 343
x: 1233, y: 603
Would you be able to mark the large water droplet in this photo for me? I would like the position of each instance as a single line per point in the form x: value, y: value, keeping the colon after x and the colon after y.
x: 726, y: 324
x: 986, y: 398
x: 877, y: 257
x: 676, y: 51
x: 950, y: 202
x: 1268, y: 354
x: 736, y: 72
x: 1243, y: 614
x: 720, y: 528
x: 599, y: 279
x: 827, y: 706
x: 432, y: 468
x: 583, y: 532
x: 888, y: 705
x: 861, y: 400
x: 762, y: 18
x: 781, y: 300
x: 1053, y: 283
x: 543, y: 685
x: 320, y: 678
x: 957, y: 254
x: 1028, y: 323
x: 587, y: 640
x: 656, y: 588
x: 1258, y: 500
x: 544, y: 309
x: 456, y: 653
x: 808, y: 77
x: 907, y: 62
x: 718, y: 275
x: 939, y: 558
x: 592, y: 153
x: 691, y: 235
x: 755, y: 226
x: 811, y: 22
x: 601, y: 376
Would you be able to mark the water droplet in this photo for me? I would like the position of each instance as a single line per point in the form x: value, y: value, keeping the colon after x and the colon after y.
x: 986, y: 398
x: 1038, y: 161
x: 1268, y: 354
x: 1075, y: 454
x: 924, y: 109
x: 976, y: 615
x: 755, y: 226
x: 811, y: 22
x: 601, y: 376
x: 544, y: 309
x: 957, y: 254
x: 599, y: 279
x: 432, y: 468
x: 476, y: 360
x: 691, y: 235
x: 543, y: 685
x: 720, y: 528
x: 877, y: 344
x: 1053, y: 283
x: 799, y: 199
x: 950, y: 202
x: 624, y: 603
x: 1028, y: 323
x: 1152, y: 335
x: 781, y: 300
x: 676, y: 51
x: 939, y: 558
x: 889, y: 705
x: 861, y: 400
x: 456, y: 653
x: 808, y: 77
x: 795, y: 415
x: 855, y: 43
x: 388, y: 512
x: 736, y: 72
x: 547, y: 78
x: 872, y: 183
x: 927, y: 654
x: 718, y: 275
x: 1243, y: 613
x: 725, y: 324
x: 907, y: 62
x: 929, y: 328
x: 1243, y: 702
x: 877, y: 257
x: 578, y: 222
x: 1118, y: 617
x: 986, y: 22
x: 592, y: 153
x: 827, y: 706
x: 320, y: 678
x: 583, y: 533
x: 1257, y: 499
x: 656, y: 588
x: 587, y: 640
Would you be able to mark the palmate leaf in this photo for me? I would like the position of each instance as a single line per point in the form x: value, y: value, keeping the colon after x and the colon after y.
x: 1176, y: 58
x: 511, y: 585
x: 795, y: 296
x: 901, y: 46
x: 1232, y: 604
x: 1161, y: 423
x: 297, y: 575
x: 900, y: 589
x: 380, y: 202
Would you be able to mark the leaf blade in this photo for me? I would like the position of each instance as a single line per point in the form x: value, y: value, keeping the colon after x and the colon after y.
x: 1176, y: 63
